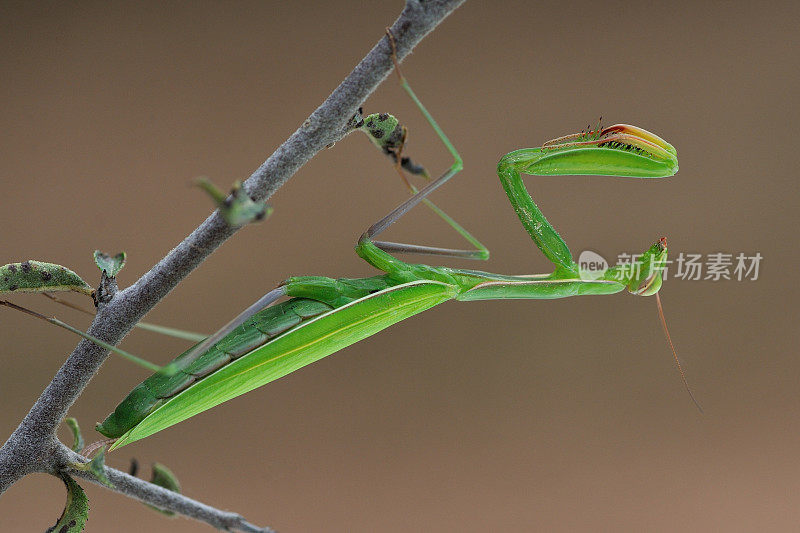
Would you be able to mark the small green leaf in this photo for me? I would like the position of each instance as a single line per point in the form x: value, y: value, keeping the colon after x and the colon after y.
x: 76, y: 510
x: 163, y: 477
x: 96, y: 467
x: 77, y: 438
x: 108, y: 264
x: 36, y: 276
x: 237, y: 209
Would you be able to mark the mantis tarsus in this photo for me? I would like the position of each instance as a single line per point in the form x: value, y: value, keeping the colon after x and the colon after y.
x: 323, y: 315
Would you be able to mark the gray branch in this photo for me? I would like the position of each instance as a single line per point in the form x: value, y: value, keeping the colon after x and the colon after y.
x: 160, y: 497
x: 33, y: 447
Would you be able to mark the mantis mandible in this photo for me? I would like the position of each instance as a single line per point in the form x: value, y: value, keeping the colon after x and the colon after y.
x: 323, y: 315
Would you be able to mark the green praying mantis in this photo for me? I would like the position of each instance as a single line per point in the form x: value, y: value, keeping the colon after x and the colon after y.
x: 322, y: 315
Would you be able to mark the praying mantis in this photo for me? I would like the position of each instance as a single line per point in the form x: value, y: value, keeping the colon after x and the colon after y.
x: 322, y: 315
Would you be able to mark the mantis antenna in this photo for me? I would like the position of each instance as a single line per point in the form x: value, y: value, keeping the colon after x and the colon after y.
x: 674, y: 353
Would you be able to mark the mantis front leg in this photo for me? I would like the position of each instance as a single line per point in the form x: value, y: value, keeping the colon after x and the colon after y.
x: 620, y: 150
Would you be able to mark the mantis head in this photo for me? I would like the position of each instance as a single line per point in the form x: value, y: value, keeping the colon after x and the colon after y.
x: 644, y: 276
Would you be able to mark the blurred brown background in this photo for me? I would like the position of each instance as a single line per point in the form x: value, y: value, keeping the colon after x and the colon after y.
x: 500, y: 416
